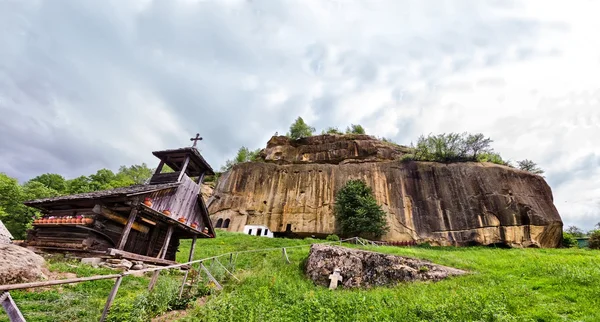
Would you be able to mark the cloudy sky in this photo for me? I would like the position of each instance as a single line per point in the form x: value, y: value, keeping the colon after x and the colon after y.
x: 92, y: 84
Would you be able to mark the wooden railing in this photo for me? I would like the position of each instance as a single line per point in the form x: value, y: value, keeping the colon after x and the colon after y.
x: 15, y: 315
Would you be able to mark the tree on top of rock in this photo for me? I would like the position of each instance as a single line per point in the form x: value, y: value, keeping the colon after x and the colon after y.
x: 530, y: 166
x: 358, y: 213
x: 355, y: 129
x: 299, y: 129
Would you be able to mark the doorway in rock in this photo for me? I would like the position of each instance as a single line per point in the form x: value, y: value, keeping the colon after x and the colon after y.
x: 258, y: 232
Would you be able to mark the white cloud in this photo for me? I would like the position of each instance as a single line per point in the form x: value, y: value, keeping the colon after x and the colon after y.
x: 85, y: 85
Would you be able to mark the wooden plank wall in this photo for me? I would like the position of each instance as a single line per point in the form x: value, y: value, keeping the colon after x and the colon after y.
x: 182, y: 201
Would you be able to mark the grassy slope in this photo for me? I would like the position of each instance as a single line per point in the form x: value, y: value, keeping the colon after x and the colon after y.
x: 506, y: 285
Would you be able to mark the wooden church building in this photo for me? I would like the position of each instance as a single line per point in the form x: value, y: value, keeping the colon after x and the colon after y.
x: 140, y: 222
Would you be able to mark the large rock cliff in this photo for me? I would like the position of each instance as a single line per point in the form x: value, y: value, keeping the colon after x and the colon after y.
x: 293, y: 191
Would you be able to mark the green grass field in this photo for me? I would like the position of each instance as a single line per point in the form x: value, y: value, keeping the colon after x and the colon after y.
x: 504, y: 285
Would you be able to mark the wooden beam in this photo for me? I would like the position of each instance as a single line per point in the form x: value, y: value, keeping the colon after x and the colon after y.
x: 160, y: 167
x: 111, y: 298
x: 138, y: 257
x: 55, y: 282
x: 13, y: 312
x: 127, y: 228
x: 153, y: 237
x: 189, y: 260
x: 165, y: 247
x: 183, y: 168
x: 108, y: 213
x: 161, y: 255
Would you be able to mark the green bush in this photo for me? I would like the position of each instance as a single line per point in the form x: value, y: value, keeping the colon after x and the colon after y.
x: 569, y: 240
x: 333, y: 238
x: 407, y: 157
x: 594, y: 241
x: 357, y: 211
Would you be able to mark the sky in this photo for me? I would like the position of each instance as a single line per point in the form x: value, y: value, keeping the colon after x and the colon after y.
x: 86, y: 85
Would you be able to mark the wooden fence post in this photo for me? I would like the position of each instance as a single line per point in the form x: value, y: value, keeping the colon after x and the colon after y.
x: 11, y: 308
x: 111, y: 298
x: 189, y: 260
x: 212, y: 278
x: 285, y: 256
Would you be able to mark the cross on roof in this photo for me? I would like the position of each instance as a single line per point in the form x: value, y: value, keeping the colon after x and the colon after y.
x: 196, y: 139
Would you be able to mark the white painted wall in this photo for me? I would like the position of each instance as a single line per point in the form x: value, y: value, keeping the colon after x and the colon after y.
x: 253, y: 230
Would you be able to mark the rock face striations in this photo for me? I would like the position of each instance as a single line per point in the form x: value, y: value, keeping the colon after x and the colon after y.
x: 468, y: 203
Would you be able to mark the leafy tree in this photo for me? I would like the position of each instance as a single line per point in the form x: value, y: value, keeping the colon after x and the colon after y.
x: 16, y: 216
x: 528, y: 165
x: 357, y: 211
x: 452, y: 147
x: 53, y: 181
x: 594, y: 241
x: 569, y: 240
x: 139, y: 174
x: 243, y: 155
x: 355, y: 129
x: 299, y: 129
x: 476, y: 144
x: 575, y: 231
x: 79, y: 185
x: 332, y: 130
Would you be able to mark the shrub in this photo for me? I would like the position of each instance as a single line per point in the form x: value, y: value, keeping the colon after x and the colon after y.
x: 357, y: 211
x: 594, y: 241
x: 568, y: 240
x: 333, y: 238
x: 299, y: 129
x: 355, y: 129
x: 407, y: 157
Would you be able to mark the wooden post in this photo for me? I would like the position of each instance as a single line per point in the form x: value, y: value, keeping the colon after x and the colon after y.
x: 11, y: 308
x: 189, y: 260
x: 212, y: 278
x: 285, y: 256
x: 183, y: 167
x: 127, y: 228
x: 160, y: 166
x: 111, y: 298
x: 153, y: 238
x: 161, y: 255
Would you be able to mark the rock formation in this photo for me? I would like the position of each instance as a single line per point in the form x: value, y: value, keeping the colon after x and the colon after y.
x: 361, y: 268
x: 465, y: 203
x: 20, y: 265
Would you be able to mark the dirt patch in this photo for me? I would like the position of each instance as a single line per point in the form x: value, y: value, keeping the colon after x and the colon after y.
x: 178, y: 314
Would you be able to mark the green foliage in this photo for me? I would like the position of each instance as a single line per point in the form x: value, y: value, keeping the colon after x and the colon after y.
x: 139, y: 174
x: 17, y: 217
x: 243, y: 155
x: 52, y: 181
x: 492, y: 157
x: 299, y: 129
x: 594, y: 241
x: 575, y: 231
x: 568, y: 240
x: 332, y: 130
x: 504, y: 285
x: 333, y: 238
x: 357, y: 211
x: 528, y: 165
x: 355, y: 129
x: 452, y: 147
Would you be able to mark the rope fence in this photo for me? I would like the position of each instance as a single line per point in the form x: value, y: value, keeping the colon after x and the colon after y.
x: 15, y: 315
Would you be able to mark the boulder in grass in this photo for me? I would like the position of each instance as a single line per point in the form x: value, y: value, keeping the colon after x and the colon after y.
x: 20, y: 265
x: 360, y: 268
